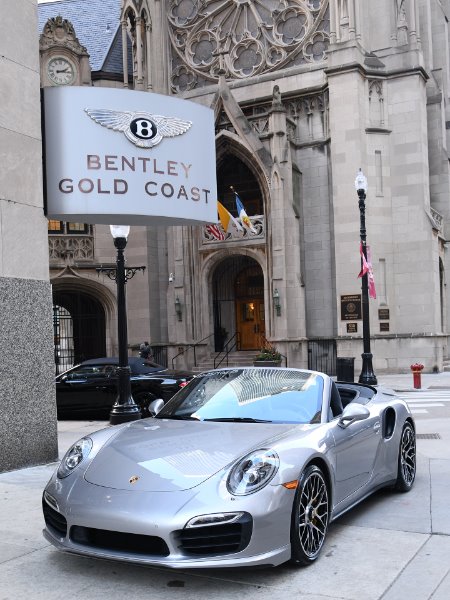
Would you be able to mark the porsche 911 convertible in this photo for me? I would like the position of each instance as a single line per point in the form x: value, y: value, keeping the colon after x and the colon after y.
x: 242, y: 467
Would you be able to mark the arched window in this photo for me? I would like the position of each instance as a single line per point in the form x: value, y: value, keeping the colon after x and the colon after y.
x: 233, y: 172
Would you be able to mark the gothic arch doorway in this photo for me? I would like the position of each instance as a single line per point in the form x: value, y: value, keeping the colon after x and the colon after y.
x: 79, y: 328
x: 238, y: 303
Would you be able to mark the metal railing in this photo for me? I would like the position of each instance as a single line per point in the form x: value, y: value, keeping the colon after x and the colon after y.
x: 159, y: 354
x: 193, y: 346
x: 322, y: 355
x: 235, y: 344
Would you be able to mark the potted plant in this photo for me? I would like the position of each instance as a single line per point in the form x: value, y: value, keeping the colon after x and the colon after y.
x: 267, y: 357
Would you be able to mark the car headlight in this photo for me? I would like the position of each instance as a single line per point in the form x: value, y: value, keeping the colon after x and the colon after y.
x: 253, y: 472
x: 73, y: 457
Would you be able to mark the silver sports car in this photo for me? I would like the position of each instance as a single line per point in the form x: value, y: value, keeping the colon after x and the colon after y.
x: 244, y: 466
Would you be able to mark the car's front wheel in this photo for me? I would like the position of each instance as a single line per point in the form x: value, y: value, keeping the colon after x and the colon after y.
x: 143, y: 400
x: 406, y: 470
x: 310, y: 516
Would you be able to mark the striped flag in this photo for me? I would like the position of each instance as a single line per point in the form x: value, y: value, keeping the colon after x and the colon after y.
x: 215, y: 231
x: 229, y: 223
x: 242, y: 214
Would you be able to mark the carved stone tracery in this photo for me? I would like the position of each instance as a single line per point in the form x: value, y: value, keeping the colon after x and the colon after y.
x: 59, y: 31
x: 243, y: 38
x: 79, y: 248
x: 307, y: 118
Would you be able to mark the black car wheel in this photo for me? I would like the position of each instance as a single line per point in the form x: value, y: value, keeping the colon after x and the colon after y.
x: 143, y: 400
x: 310, y: 516
x: 406, y: 472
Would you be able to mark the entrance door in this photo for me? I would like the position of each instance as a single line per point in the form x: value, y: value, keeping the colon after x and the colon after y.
x: 79, y: 328
x: 250, y: 323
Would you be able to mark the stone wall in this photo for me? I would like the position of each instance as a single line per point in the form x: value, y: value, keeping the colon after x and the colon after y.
x: 27, y: 390
x: 27, y: 396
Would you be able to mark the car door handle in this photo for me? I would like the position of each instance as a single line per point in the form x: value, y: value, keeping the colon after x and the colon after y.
x: 377, y: 427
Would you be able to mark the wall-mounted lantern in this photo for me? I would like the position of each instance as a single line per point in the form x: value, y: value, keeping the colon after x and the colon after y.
x: 276, y: 302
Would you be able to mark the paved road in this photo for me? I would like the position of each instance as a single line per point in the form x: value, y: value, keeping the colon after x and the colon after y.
x: 428, y: 403
x: 392, y: 547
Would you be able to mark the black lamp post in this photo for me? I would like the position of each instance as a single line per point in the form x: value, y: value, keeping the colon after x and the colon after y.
x: 367, y: 375
x: 125, y: 409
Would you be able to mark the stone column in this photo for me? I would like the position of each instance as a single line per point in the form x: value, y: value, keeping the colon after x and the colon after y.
x: 283, y: 230
x: 125, y: 53
x: 148, y: 39
x: 139, y: 57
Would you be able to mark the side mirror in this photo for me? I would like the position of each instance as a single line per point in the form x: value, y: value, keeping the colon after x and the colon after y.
x: 155, y: 406
x: 352, y: 413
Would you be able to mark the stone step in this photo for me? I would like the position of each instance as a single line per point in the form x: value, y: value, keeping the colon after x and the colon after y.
x: 235, y: 359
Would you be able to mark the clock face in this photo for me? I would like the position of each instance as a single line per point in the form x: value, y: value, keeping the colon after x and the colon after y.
x: 60, y: 71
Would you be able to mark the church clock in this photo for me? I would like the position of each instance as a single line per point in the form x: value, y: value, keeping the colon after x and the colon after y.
x: 61, y: 71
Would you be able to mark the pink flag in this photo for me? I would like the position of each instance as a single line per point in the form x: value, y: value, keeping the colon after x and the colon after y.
x: 365, y: 264
x: 370, y: 278
x: 367, y: 268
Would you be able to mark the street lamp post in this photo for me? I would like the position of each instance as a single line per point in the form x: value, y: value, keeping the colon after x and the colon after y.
x: 125, y: 409
x: 367, y: 375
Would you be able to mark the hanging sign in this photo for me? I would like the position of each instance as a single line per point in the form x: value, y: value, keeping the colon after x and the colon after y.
x: 125, y: 157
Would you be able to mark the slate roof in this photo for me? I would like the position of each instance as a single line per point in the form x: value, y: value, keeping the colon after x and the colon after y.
x: 96, y: 23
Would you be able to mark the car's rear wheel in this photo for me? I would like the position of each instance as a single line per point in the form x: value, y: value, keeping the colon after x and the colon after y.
x: 406, y: 472
x: 310, y: 516
x: 143, y: 400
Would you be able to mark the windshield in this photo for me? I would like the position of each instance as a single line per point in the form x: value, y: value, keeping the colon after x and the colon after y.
x: 249, y: 395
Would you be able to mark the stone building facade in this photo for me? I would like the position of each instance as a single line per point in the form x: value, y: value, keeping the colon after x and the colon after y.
x: 305, y: 93
x: 27, y: 396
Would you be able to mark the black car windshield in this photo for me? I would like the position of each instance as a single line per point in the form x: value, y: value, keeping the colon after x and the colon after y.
x: 249, y: 395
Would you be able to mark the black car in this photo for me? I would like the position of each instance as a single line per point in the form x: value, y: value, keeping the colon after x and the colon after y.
x: 90, y: 388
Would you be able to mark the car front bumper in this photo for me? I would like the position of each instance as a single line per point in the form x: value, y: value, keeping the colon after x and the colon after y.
x: 163, y: 516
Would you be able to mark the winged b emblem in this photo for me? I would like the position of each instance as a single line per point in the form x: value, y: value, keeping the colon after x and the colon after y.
x: 141, y: 128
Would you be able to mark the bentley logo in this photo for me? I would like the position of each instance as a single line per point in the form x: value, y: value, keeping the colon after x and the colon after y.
x: 142, y: 129
x: 133, y: 479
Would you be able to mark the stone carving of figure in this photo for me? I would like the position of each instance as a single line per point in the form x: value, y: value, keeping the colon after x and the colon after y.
x: 402, y: 24
x: 401, y: 12
x: 344, y: 11
x: 276, y: 98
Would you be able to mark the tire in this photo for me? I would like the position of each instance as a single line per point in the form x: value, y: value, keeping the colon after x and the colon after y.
x: 143, y: 400
x: 310, y: 516
x: 406, y: 470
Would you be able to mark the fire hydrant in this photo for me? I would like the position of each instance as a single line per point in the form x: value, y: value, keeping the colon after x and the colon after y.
x: 416, y: 369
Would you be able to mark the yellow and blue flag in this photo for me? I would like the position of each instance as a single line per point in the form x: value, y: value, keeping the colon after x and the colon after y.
x: 243, y: 215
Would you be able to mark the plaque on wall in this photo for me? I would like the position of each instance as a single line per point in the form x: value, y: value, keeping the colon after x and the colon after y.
x: 352, y: 327
x: 351, y: 307
x: 383, y: 314
x: 384, y: 326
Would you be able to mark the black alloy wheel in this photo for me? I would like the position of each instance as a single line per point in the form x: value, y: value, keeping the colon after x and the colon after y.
x: 406, y: 472
x: 310, y: 516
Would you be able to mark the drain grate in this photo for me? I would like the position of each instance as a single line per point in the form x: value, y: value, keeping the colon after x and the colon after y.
x: 428, y: 436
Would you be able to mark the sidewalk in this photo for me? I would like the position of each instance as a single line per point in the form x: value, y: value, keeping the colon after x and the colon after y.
x: 404, y: 382
x: 392, y: 547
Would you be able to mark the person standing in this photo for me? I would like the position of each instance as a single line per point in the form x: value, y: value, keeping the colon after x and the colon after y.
x: 145, y: 350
